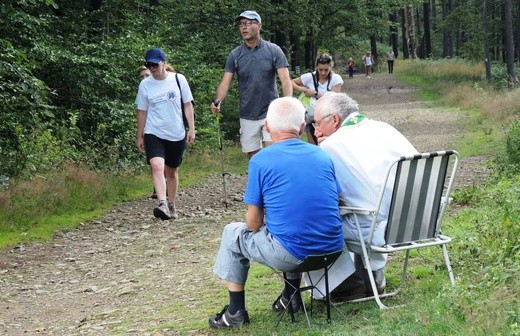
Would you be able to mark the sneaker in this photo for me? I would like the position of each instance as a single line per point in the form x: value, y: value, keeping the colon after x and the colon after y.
x: 281, y: 303
x: 225, y: 320
x: 173, y: 211
x: 162, y: 211
x: 153, y: 195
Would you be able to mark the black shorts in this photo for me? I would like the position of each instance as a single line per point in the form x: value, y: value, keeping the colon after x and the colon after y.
x: 170, y: 151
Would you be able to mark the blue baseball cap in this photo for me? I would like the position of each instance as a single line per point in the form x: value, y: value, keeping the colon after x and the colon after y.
x: 249, y: 14
x: 155, y: 55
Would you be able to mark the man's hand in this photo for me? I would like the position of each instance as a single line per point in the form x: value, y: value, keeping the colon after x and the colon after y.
x: 215, y: 106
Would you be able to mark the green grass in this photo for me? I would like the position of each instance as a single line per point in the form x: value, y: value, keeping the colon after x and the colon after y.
x: 36, y: 209
x: 485, y: 252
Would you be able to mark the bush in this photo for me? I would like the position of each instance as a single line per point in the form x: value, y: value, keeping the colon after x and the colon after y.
x: 513, y: 144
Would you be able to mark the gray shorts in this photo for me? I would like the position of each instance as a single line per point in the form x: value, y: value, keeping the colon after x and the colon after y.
x: 252, y: 134
x: 239, y: 247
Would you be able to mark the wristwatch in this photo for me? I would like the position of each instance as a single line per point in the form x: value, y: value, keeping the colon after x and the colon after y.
x: 316, y: 94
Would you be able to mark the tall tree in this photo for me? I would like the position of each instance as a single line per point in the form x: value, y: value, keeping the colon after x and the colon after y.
x: 509, y: 44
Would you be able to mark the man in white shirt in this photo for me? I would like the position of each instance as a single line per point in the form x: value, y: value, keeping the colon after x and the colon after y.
x: 361, y: 150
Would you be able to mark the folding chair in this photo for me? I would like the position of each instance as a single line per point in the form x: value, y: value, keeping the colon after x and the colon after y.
x: 312, y: 263
x: 417, y: 207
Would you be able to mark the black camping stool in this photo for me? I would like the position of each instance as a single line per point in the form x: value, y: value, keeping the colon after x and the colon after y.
x: 313, y: 263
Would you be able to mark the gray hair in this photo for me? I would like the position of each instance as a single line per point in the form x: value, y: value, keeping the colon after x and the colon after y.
x: 339, y: 103
x: 285, y: 114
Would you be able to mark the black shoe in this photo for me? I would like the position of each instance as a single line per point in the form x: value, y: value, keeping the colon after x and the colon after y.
x: 352, y: 294
x: 225, y: 320
x: 162, y: 211
x: 281, y: 303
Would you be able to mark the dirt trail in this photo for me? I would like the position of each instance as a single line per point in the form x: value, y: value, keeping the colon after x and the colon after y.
x: 124, y: 274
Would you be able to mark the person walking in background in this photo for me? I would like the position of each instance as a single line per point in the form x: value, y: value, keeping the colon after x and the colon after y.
x: 161, y: 132
x: 390, y: 58
x: 314, y: 85
x: 142, y: 73
x: 298, y: 223
x: 351, y: 67
x: 368, y: 62
x: 256, y: 63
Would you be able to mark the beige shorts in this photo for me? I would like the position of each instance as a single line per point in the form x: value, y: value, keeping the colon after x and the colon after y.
x: 252, y: 135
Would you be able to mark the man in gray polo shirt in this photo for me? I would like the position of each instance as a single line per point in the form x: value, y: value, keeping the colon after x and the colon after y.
x: 256, y: 63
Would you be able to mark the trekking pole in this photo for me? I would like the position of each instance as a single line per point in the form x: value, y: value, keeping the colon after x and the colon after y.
x: 216, y: 102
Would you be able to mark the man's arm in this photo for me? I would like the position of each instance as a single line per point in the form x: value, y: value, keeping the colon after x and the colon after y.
x: 254, y: 217
x: 222, y: 91
x: 285, y: 78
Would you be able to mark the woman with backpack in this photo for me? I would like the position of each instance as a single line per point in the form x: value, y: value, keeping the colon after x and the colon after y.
x: 313, y: 85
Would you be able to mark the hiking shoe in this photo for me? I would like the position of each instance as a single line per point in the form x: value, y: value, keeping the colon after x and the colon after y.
x: 162, y: 211
x: 153, y: 195
x: 358, y: 292
x: 281, y: 303
x: 225, y: 320
x: 173, y: 211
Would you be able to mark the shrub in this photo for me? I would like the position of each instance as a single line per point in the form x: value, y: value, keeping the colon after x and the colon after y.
x: 513, y: 144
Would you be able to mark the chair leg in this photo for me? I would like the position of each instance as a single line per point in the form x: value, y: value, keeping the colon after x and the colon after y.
x: 327, y: 294
x: 448, y: 264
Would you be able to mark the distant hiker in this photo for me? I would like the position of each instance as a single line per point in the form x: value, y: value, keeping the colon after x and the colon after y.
x: 256, y: 63
x: 390, y: 58
x: 368, y: 62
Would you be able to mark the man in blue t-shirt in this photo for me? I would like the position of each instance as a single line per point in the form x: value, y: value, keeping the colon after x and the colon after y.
x: 298, y: 223
x: 256, y: 63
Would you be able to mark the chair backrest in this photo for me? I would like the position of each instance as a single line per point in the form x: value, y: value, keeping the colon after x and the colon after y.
x: 416, y: 209
x: 317, y: 262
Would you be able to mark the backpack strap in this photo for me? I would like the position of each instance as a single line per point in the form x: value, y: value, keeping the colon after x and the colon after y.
x: 184, y: 119
x: 315, y: 81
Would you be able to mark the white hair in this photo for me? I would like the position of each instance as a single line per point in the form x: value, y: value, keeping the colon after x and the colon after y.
x: 339, y: 103
x: 285, y: 114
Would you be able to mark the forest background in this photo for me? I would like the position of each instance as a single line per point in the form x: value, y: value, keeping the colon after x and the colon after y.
x: 68, y: 68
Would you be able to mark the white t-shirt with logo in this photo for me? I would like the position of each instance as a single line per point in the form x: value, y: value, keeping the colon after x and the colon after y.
x: 161, y: 100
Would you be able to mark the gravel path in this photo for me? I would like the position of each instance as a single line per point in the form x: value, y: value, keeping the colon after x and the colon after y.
x: 123, y: 274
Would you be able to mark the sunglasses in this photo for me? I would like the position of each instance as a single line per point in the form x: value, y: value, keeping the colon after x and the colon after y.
x: 324, y: 59
x: 150, y: 65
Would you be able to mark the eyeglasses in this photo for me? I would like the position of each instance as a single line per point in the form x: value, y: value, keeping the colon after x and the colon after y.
x: 246, y: 23
x: 317, y: 123
x: 150, y: 65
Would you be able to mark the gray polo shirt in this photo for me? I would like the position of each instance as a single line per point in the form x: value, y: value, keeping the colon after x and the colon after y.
x: 256, y: 73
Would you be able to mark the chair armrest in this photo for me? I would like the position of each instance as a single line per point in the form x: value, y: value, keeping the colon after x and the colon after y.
x: 343, y: 210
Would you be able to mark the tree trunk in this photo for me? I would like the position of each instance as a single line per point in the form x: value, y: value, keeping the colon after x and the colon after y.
x: 487, y: 61
x: 446, y: 35
x: 404, y: 36
x: 509, y: 44
x: 393, y: 33
x: 410, y: 31
x: 427, y: 30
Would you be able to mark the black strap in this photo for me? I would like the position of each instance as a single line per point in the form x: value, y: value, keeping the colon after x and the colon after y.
x: 184, y: 119
x: 315, y: 81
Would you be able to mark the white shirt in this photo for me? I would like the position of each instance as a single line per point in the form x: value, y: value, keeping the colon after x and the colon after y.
x: 361, y: 154
x: 306, y: 79
x: 161, y: 100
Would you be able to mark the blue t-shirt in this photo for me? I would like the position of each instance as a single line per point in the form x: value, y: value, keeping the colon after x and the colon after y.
x: 295, y: 183
x: 256, y: 74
